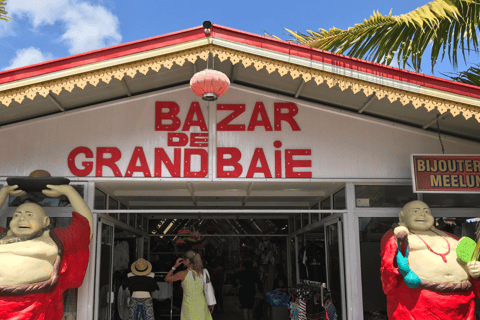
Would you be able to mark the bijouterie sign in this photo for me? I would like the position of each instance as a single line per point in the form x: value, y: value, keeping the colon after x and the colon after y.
x: 183, y: 146
x: 446, y: 173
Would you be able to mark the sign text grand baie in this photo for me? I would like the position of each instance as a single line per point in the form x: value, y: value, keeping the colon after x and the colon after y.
x: 186, y: 151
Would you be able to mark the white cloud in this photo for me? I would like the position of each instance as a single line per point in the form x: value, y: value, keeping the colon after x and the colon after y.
x: 38, y: 11
x: 88, y: 27
x: 28, y: 56
x: 6, y: 28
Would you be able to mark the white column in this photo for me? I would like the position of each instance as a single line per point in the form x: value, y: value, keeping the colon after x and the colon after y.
x: 85, y: 303
x: 353, y: 272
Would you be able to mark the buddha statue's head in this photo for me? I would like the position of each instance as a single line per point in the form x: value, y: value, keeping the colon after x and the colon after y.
x: 416, y: 216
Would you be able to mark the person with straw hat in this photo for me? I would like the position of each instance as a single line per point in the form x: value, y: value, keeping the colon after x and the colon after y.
x: 141, y: 283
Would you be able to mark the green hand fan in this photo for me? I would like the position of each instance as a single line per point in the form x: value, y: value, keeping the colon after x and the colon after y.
x: 466, y: 250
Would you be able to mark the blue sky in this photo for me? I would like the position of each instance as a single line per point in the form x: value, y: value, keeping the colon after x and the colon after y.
x: 49, y: 29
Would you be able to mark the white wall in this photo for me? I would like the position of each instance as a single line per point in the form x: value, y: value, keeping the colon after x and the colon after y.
x: 342, y: 146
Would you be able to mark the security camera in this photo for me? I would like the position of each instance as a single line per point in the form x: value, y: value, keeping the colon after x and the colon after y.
x: 207, y: 25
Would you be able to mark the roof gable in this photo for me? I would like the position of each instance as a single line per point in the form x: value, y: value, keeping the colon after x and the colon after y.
x: 184, y: 50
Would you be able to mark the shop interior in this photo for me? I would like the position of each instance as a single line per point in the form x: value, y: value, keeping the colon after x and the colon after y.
x: 226, y: 234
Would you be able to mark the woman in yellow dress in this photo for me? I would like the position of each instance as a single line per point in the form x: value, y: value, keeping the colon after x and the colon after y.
x: 194, y: 305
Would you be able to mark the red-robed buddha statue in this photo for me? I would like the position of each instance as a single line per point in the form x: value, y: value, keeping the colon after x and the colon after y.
x: 38, y: 262
x: 423, y: 280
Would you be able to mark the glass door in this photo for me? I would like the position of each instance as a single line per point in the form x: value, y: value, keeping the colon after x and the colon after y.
x: 335, y: 265
x: 103, y: 276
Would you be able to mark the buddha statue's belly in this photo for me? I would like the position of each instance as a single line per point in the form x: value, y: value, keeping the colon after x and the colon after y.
x: 27, y: 261
x: 430, y: 266
x: 15, y: 269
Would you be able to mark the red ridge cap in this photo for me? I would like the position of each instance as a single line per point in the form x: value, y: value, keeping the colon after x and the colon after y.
x: 247, y: 38
x: 103, y: 54
x: 343, y: 61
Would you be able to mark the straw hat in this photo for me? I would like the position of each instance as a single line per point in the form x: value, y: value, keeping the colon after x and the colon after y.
x: 141, y: 267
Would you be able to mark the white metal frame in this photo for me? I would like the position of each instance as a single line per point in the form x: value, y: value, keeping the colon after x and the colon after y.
x: 353, y: 269
x: 101, y: 222
x: 338, y: 222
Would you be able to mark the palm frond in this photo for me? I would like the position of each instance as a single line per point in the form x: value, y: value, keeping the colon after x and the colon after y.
x: 449, y: 26
x: 470, y: 76
x: 3, y: 12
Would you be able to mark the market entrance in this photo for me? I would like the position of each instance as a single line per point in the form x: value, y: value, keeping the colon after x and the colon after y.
x: 226, y: 238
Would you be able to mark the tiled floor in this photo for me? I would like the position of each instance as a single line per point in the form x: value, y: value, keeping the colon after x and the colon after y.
x: 231, y: 306
x: 232, y: 309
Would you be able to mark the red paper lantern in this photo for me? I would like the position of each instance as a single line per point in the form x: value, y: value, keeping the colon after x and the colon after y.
x: 209, y: 84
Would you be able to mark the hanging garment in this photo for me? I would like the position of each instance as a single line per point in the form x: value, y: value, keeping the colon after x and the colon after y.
x: 122, y: 302
x: 330, y: 309
x: 164, y: 292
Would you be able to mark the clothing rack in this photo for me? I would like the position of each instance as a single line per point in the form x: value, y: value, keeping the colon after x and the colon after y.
x: 316, y: 284
x: 162, y: 274
x: 305, y: 302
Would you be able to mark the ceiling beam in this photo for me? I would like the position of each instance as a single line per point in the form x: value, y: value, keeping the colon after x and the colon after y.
x: 192, y: 193
x: 233, y: 72
x: 189, y: 205
x: 249, y: 190
x: 124, y: 84
x: 369, y: 101
x: 438, y: 117
x: 55, y: 102
x: 287, y: 193
x: 217, y: 217
x: 153, y: 193
x: 300, y: 88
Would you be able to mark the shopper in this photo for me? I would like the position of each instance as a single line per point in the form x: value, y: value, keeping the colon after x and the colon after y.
x: 246, y: 279
x: 218, y: 279
x: 280, y: 281
x: 194, y: 305
x: 141, y: 284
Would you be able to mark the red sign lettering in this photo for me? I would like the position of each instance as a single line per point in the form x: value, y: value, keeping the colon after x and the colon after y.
x: 171, y: 116
x: 138, y: 155
x: 198, y: 139
x: 292, y: 111
x: 177, y: 139
x: 259, y: 109
x: 189, y: 120
x: 224, y: 125
x: 235, y: 156
x: 87, y: 165
x: 290, y: 163
x: 188, y: 153
x: 173, y: 168
x: 259, y: 155
x: 108, y: 162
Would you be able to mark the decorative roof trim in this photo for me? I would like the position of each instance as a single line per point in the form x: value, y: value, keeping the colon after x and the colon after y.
x: 247, y: 59
x: 343, y: 61
x: 349, y: 73
x: 272, y: 45
x: 105, y: 64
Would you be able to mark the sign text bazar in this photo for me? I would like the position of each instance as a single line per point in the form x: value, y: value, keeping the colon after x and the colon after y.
x: 189, y: 147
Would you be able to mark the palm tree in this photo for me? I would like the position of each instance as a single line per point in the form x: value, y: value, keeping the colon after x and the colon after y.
x: 448, y: 25
x: 471, y: 76
x: 3, y: 12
